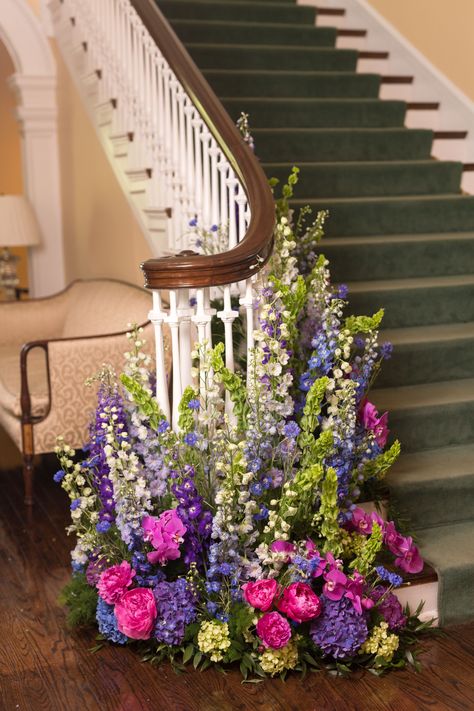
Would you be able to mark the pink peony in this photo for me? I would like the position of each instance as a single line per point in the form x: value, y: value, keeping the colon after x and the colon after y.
x: 274, y: 630
x: 114, y: 581
x: 165, y: 535
x: 300, y: 603
x: 283, y: 547
x: 260, y: 594
x: 409, y: 558
x: 369, y: 417
x: 335, y: 585
x: 136, y: 613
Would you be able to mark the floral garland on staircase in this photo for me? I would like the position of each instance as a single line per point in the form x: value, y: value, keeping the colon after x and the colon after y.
x: 242, y: 541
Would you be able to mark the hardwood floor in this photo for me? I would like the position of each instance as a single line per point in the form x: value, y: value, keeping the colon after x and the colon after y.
x: 45, y: 667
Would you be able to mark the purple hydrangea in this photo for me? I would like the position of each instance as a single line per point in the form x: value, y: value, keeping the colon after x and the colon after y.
x: 107, y: 623
x: 339, y: 631
x: 390, y: 608
x: 176, y: 608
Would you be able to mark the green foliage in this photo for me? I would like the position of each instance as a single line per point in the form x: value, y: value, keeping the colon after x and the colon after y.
x: 309, y: 422
x: 144, y: 400
x: 81, y: 600
x: 186, y: 418
x: 233, y: 383
x: 364, y: 324
x: 371, y: 546
x: 282, y: 204
x: 293, y: 299
x: 328, y: 514
x: 379, y: 466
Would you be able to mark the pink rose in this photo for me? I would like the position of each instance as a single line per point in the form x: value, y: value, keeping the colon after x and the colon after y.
x: 260, y: 594
x: 283, y: 547
x: 114, y: 581
x: 274, y: 630
x: 165, y: 535
x: 136, y: 613
x: 369, y: 417
x: 299, y: 602
x: 409, y: 558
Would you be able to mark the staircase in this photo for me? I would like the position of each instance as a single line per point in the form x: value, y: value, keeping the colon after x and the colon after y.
x: 401, y: 234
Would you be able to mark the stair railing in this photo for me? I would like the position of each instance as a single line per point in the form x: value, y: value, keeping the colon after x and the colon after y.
x: 199, y: 168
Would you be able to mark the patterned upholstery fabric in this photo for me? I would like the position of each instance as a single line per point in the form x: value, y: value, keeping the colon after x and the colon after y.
x: 86, y: 308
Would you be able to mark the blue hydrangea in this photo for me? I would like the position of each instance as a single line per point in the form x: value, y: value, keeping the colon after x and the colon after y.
x: 339, y: 631
x: 107, y: 623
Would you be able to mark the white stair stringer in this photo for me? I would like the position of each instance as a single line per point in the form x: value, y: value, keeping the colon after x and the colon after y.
x: 456, y: 110
x: 101, y: 106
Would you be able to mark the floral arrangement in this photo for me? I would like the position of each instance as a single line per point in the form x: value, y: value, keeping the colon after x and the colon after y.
x: 240, y: 539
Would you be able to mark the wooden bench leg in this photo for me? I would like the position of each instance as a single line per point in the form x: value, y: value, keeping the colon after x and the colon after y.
x: 28, y: 461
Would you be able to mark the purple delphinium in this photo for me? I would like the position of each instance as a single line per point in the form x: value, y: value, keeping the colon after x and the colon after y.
x: 390, y: 607
x: 176, y: 608
x: 392, y: 578
x: 197, y: 520
x: 339, y: 631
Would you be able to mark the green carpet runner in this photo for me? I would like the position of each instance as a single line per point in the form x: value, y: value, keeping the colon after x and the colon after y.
x: 401, y: 233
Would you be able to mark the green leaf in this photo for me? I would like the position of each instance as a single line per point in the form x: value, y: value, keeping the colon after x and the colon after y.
x: 188, y: 653
x: 197, y: 659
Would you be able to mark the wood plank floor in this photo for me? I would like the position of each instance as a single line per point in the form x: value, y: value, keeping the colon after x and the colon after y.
x: 43, y: 666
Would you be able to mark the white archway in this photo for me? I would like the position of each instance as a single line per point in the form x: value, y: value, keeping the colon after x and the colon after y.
x: 34, y: 85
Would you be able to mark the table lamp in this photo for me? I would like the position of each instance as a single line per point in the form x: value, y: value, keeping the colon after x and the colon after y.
x: 18, y: 228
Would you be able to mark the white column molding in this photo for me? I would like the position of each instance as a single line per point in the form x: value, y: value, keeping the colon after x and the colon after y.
x: 34, y: 85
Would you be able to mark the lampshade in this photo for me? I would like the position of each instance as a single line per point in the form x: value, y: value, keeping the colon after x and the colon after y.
x: 18, y: 223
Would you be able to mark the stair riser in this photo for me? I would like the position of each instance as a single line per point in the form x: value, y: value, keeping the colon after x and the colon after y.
x: 343, y: 145
x: 417, y: 307
x: 421, y: 503
x: 395, y: 260
x: 398, y: 217
x: 320, y: 114
x: 302, y: 86
x: 238, y: 12
x: 366, y: 180
x: 430, y: 362
x: 255, y: 34
x: 321, y: 60
x: 424, y: 428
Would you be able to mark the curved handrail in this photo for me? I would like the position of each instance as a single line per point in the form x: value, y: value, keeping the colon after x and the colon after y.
x: 243, y: 261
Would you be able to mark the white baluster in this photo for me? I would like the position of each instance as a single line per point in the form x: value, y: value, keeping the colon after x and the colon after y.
x: 173, y: 321
x: 157, y: 316
x: 206, y: 179
x: 185, y: 313
x: 232, y: 185
x: 228, y: 316
x: 247, y: 302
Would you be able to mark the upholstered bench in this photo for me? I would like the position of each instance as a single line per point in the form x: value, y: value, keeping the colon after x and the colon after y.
x: 49, y: 347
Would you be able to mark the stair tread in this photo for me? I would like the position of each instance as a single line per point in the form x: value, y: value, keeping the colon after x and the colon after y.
x: 388, y: 199
x: 432, y: 465
x: 425, y: 395
x: 427, y: 334
x: 412, y: 283
x: 338, y: 131
x: 245, y: 46
x: 448, y: 546
x: 243, y: 23
x: 288, y: 72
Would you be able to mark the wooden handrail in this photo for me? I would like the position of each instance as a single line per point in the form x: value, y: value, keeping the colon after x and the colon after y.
x: 195, y: 270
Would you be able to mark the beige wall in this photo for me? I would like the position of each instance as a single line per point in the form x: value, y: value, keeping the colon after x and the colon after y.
x: 11, y: 181
x: 442, y: 31
x: 102, y: 236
